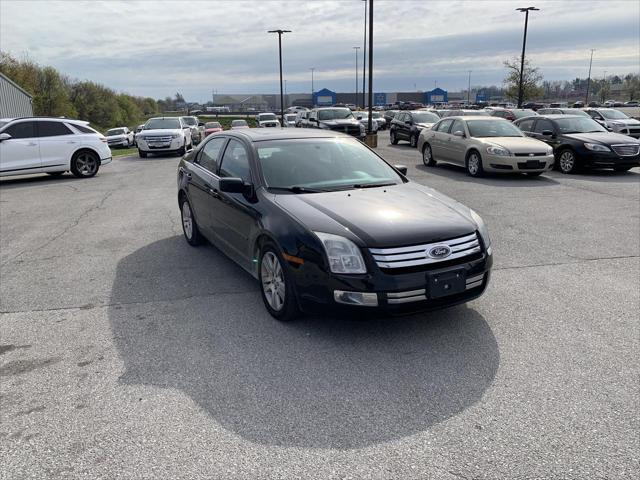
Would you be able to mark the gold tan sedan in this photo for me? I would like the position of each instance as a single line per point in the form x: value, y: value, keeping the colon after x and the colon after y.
x: 484, y: 144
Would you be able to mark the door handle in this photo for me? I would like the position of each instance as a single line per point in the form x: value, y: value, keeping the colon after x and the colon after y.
x: 71, y: 142
x: 32, y: 144
x: 212, y: 191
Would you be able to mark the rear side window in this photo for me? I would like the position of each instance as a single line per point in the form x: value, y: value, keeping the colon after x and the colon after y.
x: 235, y: 162
x: 444, y: 125
x: 543, y: 124
x: 208, y: 157
x: 83, y: 129
x: 526, y: 125
x: 22, y: 130
x: 52, y: 129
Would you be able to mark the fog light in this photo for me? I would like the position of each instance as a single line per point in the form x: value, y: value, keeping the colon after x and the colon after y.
x: 356, y: 298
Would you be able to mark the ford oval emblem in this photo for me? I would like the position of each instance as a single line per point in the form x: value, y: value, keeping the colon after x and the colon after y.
x: 439, y: 251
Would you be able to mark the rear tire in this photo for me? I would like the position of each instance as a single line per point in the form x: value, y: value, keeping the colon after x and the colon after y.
x: 276, y: 285
x: 427, y: 156
x: 474, y: 165
x: 392, y: 138
x: 189, y: 225
x: 85, y: 164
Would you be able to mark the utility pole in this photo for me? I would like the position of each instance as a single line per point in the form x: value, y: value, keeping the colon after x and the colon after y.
x: 364, y: 57
x: 280, y: 32
x: 524, y: 45
x: 370, y: 116
x: 469, y: 91
x: 312, y: 91
x: 586, y: 100
x: 356, y: 98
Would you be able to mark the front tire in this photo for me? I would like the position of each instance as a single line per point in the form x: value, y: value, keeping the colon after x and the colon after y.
x: 392, y: 138
x: 142, y: 154
x: 474, y: 165
x: 567, y: 161
x: 622, y: 169
x: 276, y: 285
x: 189, y: 226
x: 427, y: 156
x: 413, y: 141
x: 85, y: 164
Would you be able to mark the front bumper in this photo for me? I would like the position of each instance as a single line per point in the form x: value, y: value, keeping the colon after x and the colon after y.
x: 118, y: 143
x: 589, y: 158
x: 395, y: 293
x: 174, y: 145
x: 513, y: 164
x: 105, y: 161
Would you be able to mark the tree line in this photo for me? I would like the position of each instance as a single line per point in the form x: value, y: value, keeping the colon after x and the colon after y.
x: 57, y: 95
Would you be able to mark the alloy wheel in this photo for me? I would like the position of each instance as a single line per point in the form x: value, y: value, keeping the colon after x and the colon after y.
x: 86, y: 164
x: 473, y: 164
x: 427, y: 156
x: 273, y: 283
x: 187, y: 220
x: 567, y: 162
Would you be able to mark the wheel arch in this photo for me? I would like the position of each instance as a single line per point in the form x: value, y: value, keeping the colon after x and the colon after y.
x: 85, y: 149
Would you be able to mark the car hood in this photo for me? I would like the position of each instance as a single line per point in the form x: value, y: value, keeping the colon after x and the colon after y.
x: 518, y: 144
x: 161, y: 131
x: 268, y: 121
x: 120, y: 136
x: 337, y: 123
x: 624, y: 121
x: 397, y: 215
x: 607, y: 138
x: 425, y: 125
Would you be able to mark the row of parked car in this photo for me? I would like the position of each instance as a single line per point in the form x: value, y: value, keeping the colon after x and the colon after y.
x: 532, y: 143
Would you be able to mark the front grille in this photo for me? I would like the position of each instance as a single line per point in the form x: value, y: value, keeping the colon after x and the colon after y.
x: 395, y: 298
x: 349, y: 129
x: 417, y: 255
x: 159, y: 139
x: 626, y: 150
x: 539, y: 154
x: 531, y: 165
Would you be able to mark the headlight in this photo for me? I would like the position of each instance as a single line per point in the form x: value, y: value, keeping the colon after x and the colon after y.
x: 344, y: 256
x: 596, y: 147
x: 482, y: 228
x: 617, y: 124
x: 498, y: 151
x: 175, y: 135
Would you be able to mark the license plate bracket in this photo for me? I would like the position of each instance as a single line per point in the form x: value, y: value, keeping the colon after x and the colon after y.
x: 446, y: 283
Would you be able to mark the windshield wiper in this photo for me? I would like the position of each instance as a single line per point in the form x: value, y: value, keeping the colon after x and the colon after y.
x: 297, y: 189
x: 372, y: 185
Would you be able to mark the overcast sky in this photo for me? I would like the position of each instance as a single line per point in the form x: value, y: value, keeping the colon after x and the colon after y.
x: 155, y: 48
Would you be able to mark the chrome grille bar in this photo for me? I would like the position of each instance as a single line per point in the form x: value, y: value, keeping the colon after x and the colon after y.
x: 626, y: 150
x: 417, y: 254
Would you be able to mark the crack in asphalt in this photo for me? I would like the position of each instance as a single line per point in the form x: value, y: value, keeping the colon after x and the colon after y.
x: 69, y: 227
x: 557, y: 264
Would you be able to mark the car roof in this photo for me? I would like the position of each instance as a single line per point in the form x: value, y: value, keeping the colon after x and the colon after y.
x: 475, y: 117
x: 60, y: 119
x: 264, y: 134
x: 555, y: 116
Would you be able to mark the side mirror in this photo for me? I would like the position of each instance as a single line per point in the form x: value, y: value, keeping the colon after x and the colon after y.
x: 232, y: 185
x: 359, y: 117
x: 201, y: 124
x: 547, y: 133
x: 401, y: 168
x: 4, y: 136
x: 459, y: 133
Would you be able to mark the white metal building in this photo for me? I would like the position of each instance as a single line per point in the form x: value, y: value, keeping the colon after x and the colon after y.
x: 14, y: 100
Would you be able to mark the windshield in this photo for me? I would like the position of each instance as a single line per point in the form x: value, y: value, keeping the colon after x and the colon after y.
x: 267, y: 116
x: 376, y: 115
x: 474, y: 113
x: 335, y: 114
x: 324, y: 163
x: 612, y: 114
x: 239, y: 123
x: 191, y: 121
x: 290, y: 117
x: 212, y: 125
x: 579, y: 125
x: 492, y: 128
x: 162, y: 123
x: 425, y: 117
x: 523, y: 113
x: 115, y: 131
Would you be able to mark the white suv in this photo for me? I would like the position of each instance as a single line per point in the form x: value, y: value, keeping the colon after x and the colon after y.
x: 51, y: 145
x: 164, y: 135
x: 119, y: 137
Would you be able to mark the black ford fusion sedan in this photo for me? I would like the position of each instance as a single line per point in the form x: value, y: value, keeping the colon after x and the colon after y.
x: 319, y: 219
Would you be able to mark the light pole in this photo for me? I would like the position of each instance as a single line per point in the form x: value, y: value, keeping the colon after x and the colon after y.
x: 286, y: 100
x: 280, y: 32
x: 469, y: 91
x: 524, y: 44
x: 356, y: 50
x: 364, y: 56
x: 586, y: 100
x: 312, y: 69
x: 370, y: 116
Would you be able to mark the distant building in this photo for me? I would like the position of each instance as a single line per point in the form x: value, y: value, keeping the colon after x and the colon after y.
x: 14, y: 100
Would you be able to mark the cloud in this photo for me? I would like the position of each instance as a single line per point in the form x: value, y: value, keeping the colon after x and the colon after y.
x: 159, y: 47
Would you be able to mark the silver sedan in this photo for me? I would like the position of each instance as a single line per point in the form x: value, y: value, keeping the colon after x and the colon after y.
x: 484, y: 144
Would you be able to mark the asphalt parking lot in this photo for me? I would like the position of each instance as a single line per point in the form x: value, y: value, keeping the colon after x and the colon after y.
x: 126, y: 353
